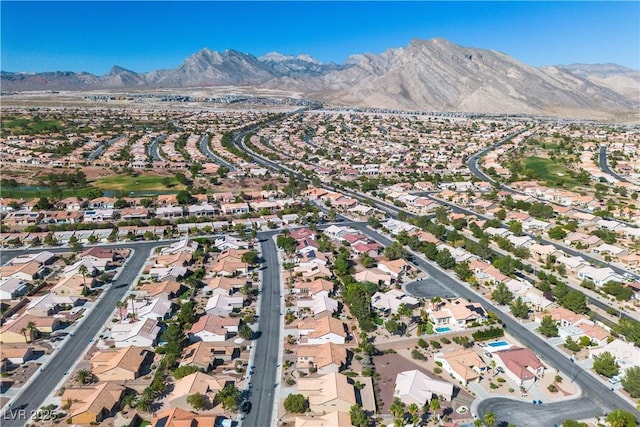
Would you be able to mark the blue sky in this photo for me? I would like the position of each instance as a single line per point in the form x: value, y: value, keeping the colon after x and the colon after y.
x: 142, y: 36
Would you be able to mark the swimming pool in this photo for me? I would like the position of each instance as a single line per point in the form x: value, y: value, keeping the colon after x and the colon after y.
x: 443, y: 329
x: 498, y: 344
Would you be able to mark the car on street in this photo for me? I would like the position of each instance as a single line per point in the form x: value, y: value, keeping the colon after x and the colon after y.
x: 245, y: 407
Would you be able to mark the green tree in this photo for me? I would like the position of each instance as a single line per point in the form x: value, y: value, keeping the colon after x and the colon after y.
x: 515, y: 227
x: 605, y: 364
x: 197, y: 401
x: 501, y: 294
x: 430, y: 250
x: 397, y: 408
x: 463, y: 271
x: 245, y: 331
x: 445, y: 260
x: 573, y: 423
x: 434, y: 404
x: 575, y: 301
x: 358, y: 416
x: 373, y: 222
x: 183, y: 371
x: 395, y: 251
x: 250, y: 257
x: 620, y: 418
x: 557, y: 233
x: 366, y: 260
x: 296, y: 403
x: 631, y: 381
x: 489, y: 419
x: 183, y: 197
x: 519, y: 308
x: 229, y: 396
x: 548, y: 327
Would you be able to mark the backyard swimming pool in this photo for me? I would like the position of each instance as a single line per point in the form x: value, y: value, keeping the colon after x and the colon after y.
x: 443, y: 329
x: 498, y: 344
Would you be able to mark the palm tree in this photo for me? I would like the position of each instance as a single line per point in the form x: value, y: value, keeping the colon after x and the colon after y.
x: 414, y: 411
x: 489, y: 419
x: 32, y: 330
x: 84, y: 376
x: 23, y: 331
x: 132, y: 298
x: 477, y: 422
x: 120, y: 305
x: 434, y: 404
x: 83, y: 270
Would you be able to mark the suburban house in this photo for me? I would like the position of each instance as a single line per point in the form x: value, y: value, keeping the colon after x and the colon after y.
x: 93, y: 404
x: 330, y: 419
x: 328, y: 393
x: 12, y: 288
x: 211, y: 328
x: 321, y: 330
x: 18, y: 331
x: 416, y: 387
x: 73, y: 285
x: 177, y: 417
x: 223, y: 304
x: 140, y: 333
x: 208, y: 355
x: 324, y: 358
x: 520, y: 364
x: 318, y: 304
x: 626, y: 354
x: 99, y: 257
x: 390, y: 301
x: 599, y: 276
x: 197, y: 382
x: 456, y: 314
x: 464, y: 365
x: 120, y: 365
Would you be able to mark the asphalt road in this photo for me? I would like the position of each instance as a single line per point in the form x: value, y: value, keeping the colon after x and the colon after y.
x: 204, y: 148
x: 154, y: 150
x: 526, y: 414
x: 95, y: 154
x: 604, y: 164
x: 570, y: 251
x: 265, y: 368
x: 600, y: 395
x: 32, y: 397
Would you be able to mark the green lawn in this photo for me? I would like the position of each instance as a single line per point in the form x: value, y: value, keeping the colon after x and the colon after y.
x: 138, y: 183
x: 555, y: 174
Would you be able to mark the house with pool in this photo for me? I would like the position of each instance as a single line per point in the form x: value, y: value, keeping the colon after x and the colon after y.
x: 454, y: 315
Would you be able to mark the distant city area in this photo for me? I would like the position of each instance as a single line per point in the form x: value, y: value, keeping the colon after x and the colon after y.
x: 215, y: 257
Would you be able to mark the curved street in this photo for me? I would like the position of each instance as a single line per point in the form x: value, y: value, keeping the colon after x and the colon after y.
x: 526, y: 414
x: 604, y: 164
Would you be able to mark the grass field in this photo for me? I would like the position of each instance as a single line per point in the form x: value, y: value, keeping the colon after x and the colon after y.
x: 548, y: 170
x: 144, y: 185
x: 140, y: 183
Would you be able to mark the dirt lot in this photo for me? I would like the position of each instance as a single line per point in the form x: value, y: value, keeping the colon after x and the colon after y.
x: 389, y: 365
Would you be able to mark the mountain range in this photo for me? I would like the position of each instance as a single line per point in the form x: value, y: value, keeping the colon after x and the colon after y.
x: 433, y: 75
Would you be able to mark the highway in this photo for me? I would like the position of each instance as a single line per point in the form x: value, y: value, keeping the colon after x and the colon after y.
x: 204, y: 148
x: 591, y: 387
x: 604, y: 164
x: 34, y: 394
x: 268, y: 344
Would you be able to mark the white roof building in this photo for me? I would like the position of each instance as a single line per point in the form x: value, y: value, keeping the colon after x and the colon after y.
x: 416, y: 387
